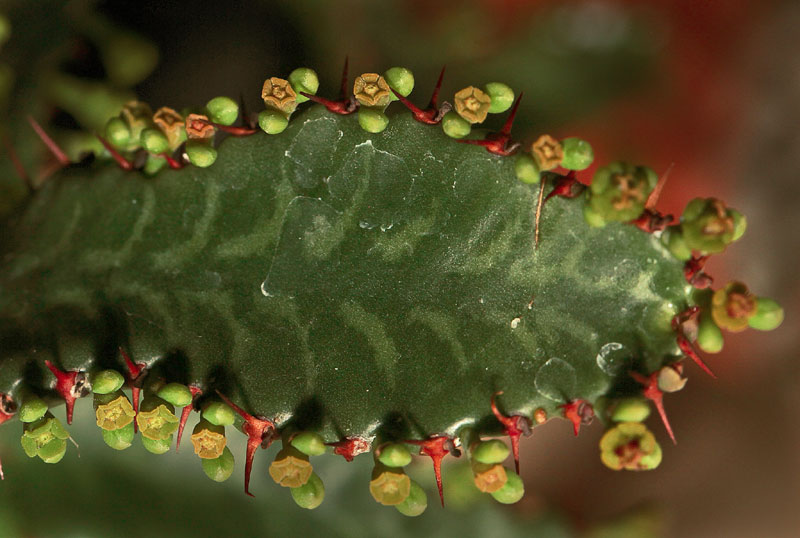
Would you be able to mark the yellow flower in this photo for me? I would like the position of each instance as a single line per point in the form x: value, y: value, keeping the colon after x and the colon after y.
x: 548, y: 152
x: 198, y: 127
x: 372, y: 89
x: 277, y: 93
x: 472, y: 104
x: 171, y: 124
x: 291, y: 468
x: 116, y: 414
x: 631, y: 446
x: 489, y: 477
x: 208, y: 444
x: 732, y: 307
x: 389, y: 487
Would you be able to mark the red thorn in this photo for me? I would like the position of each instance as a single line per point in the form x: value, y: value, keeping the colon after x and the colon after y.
x: 175, y: 165
x: 693, y: 272
x: 516, y: 426
x: 567, y: 187
x: 187, y: 410
x: 498, y: 143
x: 437, y: 448
x: 123, y: 163
x: 652, y: 221
x: 683, y: 342
x: 655, y: 395
x: 343, y: 107
x: 350, y: 447
x: 235, y: 131
x: 432, y: 115
x: 259, y: 431
x: 67, y: 384
x: 18, y: 167
x: 578, y: 412
x: 652, y: 199
x: 134, y: 371
x: 57, y: 152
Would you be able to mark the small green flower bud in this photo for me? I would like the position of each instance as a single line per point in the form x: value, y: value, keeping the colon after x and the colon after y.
x: 630, y: 410
x: 394, y: 455
x: 119, y: 439
x: 739, y: 224
x: 32, y: 408
x: 305, y: 80
x: 526, y: 169
x: 176, y: 394
x: 416, y: 502
x: 208, y: 440
x: 218, y: 413
x: 578, y: 154
x: 372, y: 120
x: 154, y: 141
x: 400, y: 80
x: 107, y: 381
x: 502, y: 97
x: 709, y: 337
x: 117, y: 132
x: 272, y: 121
x: 222, y: 110
x: 389, y: 485
x: 489, y: 477
x: 512, y: 491
x: 154, y: 164
x: 113, y: 411
x: 220, y: 469
x: 290, y: 468
x: 45, y: 438
x: 156, y: 419
x: 311, y: 494
x: 455, y: 126
x: 673, y: 239
x: 630, y: 446
x: 309, y: 443
x: 619, y: 191
x: 768, y: 316
x: 491, y: 451
x: 160, y: 446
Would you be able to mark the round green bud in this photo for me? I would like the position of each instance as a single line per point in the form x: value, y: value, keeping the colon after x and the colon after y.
x: 578, y: 154
x: 311, y: 494
x: 272, y: 121
x: 400, y: 80
x: 157, y: 446
x: 117, y: 132
x: 673, y: 239
x: 372, y: 120
x: 630, y: 410
x: 220, y: 469
x: 768, y: 315
x: 201, y: 153
x: 309, y: 443
x: 415, y: 503
x: 305, y: 80
x: 709, y: 335
x: 222, y: 110
x: 502, y: 97
x: 490, y: 452
x: 154, y: 141
x: 176, y: 394
x: 119, y: 439
x: 153, y: 165
x: 218, y: 413
x: 455, y: 126
x: 526, y: 169
x: 32, y: 409
x: 394, y: 455
x: 592, y: 217
x: 739, y: 224
x: 512, y: 491
x: 107, y: 381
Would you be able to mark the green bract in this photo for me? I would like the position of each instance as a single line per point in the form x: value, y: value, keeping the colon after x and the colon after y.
x: 117, y: 132
x: 157, y: 446
x: 399, y: 79
x: 768, y: 316
x: 175, y: 393
x: 502, y: 97
x: 154, y: 141
x: 512, y: 491
x: 578, y: 154
x: 272, y: 121
x: 311, y: 494
x: 221, y: 468
x: 455, y: 126
x: 218, y: 413
x: 309, y: 443
x: 618, y: 192
x: 492, y: 451
x: 119, y: 439
x: 394, y: 455
x: 222, y: 110
x: 107, y: 381
x: 630, y: 410
x: 526, y: 168
x: 305, y: 80
x: 416, y: 502
x: 372, y: 120
x: 200, y: 153
x: 32, y: 409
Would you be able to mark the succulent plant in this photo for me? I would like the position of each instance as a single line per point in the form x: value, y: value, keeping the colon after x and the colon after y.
x: 357, y: 281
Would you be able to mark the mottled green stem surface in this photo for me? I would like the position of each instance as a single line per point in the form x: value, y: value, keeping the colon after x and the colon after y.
x: 343, y: 280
